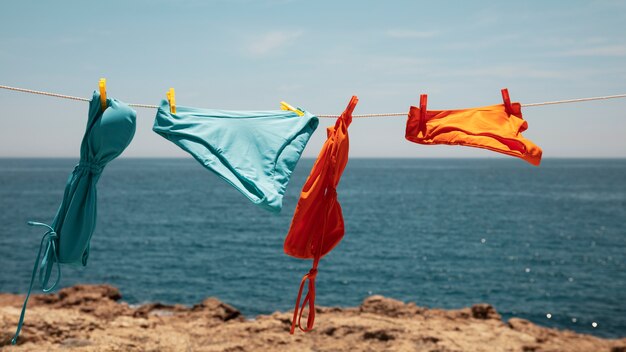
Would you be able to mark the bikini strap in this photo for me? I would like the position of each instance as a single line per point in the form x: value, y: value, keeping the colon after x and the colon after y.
x: 49, y: 239
x: 309, y: 300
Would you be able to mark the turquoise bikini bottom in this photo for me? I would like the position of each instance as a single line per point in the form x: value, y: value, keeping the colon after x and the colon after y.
x: 254, y: 151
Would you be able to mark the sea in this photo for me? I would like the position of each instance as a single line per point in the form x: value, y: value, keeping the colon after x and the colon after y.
x: 547, y: 243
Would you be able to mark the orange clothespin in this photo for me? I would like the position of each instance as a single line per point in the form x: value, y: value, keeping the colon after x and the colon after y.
x: 285, y: 106
x: 171, y: 99
x: 507, y: 101
x: 102, y: 85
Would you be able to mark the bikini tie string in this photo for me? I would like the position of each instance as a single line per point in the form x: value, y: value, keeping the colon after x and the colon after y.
x: 49, y: 242
x: 309, y: 300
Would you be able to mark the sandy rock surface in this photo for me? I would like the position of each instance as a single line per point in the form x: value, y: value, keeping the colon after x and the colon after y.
x: 92, y: 318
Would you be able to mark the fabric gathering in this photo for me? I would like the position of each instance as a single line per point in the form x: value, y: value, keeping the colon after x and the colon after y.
x: 256, y: 152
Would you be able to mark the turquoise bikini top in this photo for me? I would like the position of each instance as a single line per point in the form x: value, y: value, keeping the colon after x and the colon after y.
x: 66, y: 241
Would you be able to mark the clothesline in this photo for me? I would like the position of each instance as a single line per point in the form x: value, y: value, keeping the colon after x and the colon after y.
x: 148, y: 106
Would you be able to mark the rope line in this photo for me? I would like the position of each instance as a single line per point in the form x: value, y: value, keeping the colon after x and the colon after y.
x: 23, y: 90
x: 148, y: 106
x: 575, y: 100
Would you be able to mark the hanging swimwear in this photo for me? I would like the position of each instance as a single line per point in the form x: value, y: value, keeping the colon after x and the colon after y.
x: 66, y: 241
x: 498, y: 128
x: 317, y: 224
x: 254, y: 151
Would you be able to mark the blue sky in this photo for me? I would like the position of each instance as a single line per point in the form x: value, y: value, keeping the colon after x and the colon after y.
x: 249, y: 55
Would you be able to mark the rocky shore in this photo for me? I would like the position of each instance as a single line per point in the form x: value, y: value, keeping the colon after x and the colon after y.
x: 92, y: 318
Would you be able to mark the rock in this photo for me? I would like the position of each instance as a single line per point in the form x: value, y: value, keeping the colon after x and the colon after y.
x: 158, y: 309
x: 485, y: 311
x: 89, y: 292
x: 92, y: 318
x: 388, y: 307
x: 380, y: 335
x: 217, y: 309
x: 430, y: 339
x: 523, y: 325
x: 71, y: 343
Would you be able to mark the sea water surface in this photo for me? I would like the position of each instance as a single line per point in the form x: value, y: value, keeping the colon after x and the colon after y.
x: 532, y: 241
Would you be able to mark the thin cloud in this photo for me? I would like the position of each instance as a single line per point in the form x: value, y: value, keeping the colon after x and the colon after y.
x: 607, y: 50
x: 272, y: 41
x: 396, y: 64
x: 505, y: 71
x: 521, y: 71
x: 411, y: 34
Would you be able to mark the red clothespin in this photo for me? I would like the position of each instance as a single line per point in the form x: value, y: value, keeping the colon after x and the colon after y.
x: 423, y: 104
x: 351, y: 105
x: 346, y: 115
x: 507, y: 101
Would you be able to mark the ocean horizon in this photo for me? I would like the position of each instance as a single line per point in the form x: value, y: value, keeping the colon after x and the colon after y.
x: 544, y: 243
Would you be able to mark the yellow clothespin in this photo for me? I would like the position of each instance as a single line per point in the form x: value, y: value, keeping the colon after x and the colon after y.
x: 171, y: 98
x: 103, y: 93
x: 285, y: 106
